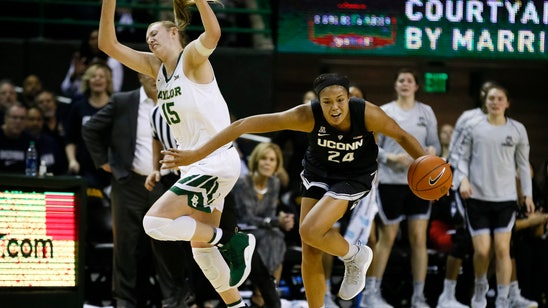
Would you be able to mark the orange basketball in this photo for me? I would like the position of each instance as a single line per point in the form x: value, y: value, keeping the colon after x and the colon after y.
x: 429, y: 177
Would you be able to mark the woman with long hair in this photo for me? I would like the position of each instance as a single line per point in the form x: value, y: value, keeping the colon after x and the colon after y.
x: 195, y: 109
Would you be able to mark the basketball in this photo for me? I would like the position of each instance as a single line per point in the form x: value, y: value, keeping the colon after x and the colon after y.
x: 430, y: 177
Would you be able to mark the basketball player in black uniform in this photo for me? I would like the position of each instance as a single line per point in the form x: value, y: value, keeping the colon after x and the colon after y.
x: 339, y: 166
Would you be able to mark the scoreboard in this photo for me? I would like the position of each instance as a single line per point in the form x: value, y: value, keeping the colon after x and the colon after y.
x: 483, y: 29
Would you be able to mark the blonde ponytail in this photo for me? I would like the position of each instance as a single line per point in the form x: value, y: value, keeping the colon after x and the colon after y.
x: 182, y: 13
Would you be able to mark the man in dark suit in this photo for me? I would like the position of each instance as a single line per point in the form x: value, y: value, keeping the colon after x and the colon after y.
x: 119, y: 140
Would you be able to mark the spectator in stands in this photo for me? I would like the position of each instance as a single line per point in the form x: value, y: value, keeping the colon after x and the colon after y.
x: 446, y: 131
x: 88, y: 54
x: 14, y: 141
x: 45, y: 143
x: 32, y: 85
x: 256, y: 196
x: 356, y: 91
x: 54, y: 118
x: 8, y: 96
x: 259, y: 22
x: 127, y: 17
x: 8, y: 93
x: 97, y: 89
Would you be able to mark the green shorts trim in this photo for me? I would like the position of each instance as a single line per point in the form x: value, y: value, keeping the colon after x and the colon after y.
x: 201, y: 191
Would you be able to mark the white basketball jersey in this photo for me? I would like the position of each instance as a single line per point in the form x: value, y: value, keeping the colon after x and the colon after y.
x: 195, y: 112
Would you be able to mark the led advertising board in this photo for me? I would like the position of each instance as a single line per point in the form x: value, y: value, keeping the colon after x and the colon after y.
x: 41, y: 245
x: 494, y: 29
x: 38, y: 239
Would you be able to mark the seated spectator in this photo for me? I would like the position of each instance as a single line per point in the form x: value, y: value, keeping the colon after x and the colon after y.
x: 45, y: 144
x: 14, y: 141
x: 88, y: 54
x: 256, y: 196
x: 32, y: 85
x: 54, y: 114
x: 96, y: 89
x: 8, y: 96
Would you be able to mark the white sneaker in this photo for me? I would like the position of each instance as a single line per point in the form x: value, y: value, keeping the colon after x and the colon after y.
x: 447, y: 301
x: 373, y: 300
x: 354, y: 273
x: 519, y: 301
x: 328, y: 301
x: 479, y: 300
x: 502, y: 302
x: 419, y: 302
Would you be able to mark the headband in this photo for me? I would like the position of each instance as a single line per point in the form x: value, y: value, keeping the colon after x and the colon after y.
x: 330, y: 79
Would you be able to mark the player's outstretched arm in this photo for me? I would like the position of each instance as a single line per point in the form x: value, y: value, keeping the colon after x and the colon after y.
x: 199, y: 50
x: 378, y: 121
x: 299, y: 118
x: 142, y: 62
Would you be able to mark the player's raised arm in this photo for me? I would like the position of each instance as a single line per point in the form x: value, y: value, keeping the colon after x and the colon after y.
x: 142, y: 62
x: 201, y: 48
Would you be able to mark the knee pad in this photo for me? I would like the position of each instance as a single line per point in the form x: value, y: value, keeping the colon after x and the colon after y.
x: 213, y: 266
x: 165, y: 229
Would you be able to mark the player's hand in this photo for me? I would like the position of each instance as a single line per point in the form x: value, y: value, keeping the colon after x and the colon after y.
x: 286, y: 221
x: 173, y: 158
x: 106, y: 167
x: 152, y: 179
x: 405, y: 160
x: 430, y: 150
x: 401, y: 160
x: 465, y: 189
x: 73, y: 167
x: 529, y: 205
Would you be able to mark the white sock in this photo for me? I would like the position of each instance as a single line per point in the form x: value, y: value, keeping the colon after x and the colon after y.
x: 418, y: 288
x: 503, y: 290
x: 370, y: 285
x: 217, y: 234
x: 239, y: 303
x: 514, y: 289
x: 449, y: 287
x: 482, y: 280
x: 352, y: 251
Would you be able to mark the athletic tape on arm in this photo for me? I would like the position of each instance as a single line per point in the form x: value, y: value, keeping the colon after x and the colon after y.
x: 204, y: 51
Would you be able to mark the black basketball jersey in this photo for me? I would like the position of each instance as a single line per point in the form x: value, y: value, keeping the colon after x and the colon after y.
x: 339, y: 155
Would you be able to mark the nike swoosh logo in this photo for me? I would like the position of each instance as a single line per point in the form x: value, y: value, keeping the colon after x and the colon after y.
x: 436, y: 179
